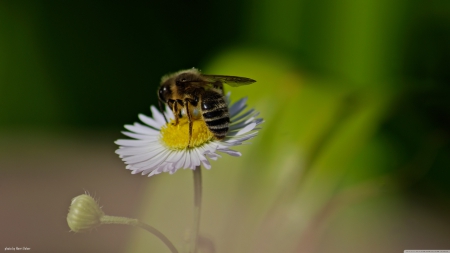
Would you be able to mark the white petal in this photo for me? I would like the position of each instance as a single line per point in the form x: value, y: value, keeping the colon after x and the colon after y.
x: 259, y: 121
x: 178, y: 156
x: 230, y: 152
x: 239, y: 140
x: 210, y: 149
x: 143, y: 157
x: 203, y: 159
x: 141, y: 136
x: 188, y: 160
x: 155, y: 161
x: 141, y: 129
x: 206, y: 164
x: 237, y: 107
x: 195, y: 158
x: 149, y: 121
x: 199, y: 154
x: 133, y: 143
x: 212, y: 156
x: 168, y: 168
x: 239, y: 126
x: 173, y: 170
x: 182, y: 161
x: 154, y: 172
x: 174, y: 156
x: 158, y: 116
x: 246, y: 121
x: 238, y: 117
x: 137, y: 158
x: 126, y: 151
x: 244, y: 130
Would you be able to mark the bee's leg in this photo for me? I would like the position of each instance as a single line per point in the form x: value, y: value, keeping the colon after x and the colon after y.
x: 175, y: 111
x: 161, y: 108
x: 188, y: 114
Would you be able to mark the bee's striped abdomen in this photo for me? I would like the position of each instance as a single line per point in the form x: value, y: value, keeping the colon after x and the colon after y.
x: 215, y: 113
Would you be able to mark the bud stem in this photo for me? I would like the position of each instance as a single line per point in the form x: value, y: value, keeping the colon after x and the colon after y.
x: 106, y: 219
x: 158, y: 234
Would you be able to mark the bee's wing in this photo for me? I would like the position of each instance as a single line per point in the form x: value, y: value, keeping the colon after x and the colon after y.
x: 234, y: 81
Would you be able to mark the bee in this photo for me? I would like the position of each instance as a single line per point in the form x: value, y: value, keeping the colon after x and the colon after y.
x: 199, y: 96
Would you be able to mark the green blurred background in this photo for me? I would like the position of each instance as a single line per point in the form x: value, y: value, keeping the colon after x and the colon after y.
x: 354, y: 154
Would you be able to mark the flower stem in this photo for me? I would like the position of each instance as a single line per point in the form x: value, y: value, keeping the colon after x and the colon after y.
x: 197, y: 206
x: 158, y: 234
x: 106, y: 219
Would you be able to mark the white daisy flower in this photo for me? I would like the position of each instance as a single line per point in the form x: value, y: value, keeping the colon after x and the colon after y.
x: 163, y: 147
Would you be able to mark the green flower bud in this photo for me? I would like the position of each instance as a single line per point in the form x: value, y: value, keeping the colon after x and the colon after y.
x: 84, y: 214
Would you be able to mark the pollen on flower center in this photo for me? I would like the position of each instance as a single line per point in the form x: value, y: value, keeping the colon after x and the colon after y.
x: 176, y: 137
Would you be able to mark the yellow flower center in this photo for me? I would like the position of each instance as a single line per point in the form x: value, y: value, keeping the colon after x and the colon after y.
x: 176, y: 137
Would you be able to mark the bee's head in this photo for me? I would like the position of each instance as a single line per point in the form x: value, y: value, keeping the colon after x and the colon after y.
x: 164, y: 92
